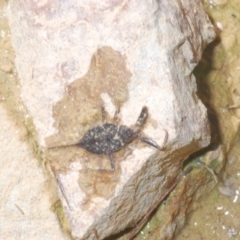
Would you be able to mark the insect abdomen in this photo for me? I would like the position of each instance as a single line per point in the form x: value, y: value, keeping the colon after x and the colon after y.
x: 105, y: 139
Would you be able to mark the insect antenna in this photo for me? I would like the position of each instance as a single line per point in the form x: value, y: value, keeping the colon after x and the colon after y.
x: 62, y: 146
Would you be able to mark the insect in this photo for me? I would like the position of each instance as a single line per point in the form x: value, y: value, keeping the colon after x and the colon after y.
x: 109, y: 138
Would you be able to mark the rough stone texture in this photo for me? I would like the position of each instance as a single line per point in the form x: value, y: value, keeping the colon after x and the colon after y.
x: 27, y: 193
x: 74, y: 56
x: 25, y: 208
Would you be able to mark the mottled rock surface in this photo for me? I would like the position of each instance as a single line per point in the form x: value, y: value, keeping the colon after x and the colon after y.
x: 74, y: 57
x: 26, y: 190
x: 25, y: 211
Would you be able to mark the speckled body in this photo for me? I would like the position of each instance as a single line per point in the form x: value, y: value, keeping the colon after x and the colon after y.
x: 106, y: 138
x: 109, y: 138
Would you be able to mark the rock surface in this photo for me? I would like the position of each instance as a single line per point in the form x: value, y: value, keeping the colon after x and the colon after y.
x: 25, y: 211
x: 27, y: 192
x: 73, y: 57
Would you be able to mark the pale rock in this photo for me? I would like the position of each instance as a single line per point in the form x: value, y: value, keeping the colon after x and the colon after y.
x: 74, y: 56
x: 25, y: 211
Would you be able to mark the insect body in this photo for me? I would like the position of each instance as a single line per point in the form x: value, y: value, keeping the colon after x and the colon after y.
x: 109, y: 138
x: 106, y: 139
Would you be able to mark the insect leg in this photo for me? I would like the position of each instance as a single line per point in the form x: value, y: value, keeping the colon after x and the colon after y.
x: 148, y: 141
x: 141, y: 119
x: 103, y: 114
x: 63, y: 191
x: 152, y: 142
x: 111, y: 161
x: 116, y: 119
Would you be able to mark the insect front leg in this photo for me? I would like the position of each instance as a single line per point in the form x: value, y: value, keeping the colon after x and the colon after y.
x: 141, y: 119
